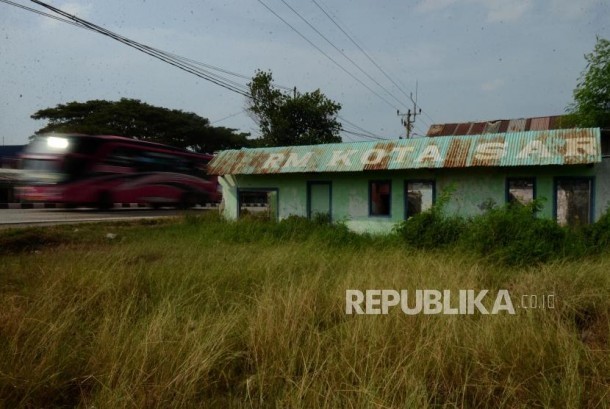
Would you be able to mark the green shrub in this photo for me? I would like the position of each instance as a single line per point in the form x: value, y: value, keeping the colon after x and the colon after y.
x: 432, y: 228
x: 509, y: 235
x: 514, y: 235
x: 597, y: 235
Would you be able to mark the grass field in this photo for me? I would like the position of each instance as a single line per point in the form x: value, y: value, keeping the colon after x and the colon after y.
x: 198, y: 312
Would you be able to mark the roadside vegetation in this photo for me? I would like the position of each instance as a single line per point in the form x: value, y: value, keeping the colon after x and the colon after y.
x: 512, y: 234
x: 200, y: 312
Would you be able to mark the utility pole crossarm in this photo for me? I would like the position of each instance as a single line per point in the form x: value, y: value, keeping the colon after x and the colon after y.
x: 408, y: 119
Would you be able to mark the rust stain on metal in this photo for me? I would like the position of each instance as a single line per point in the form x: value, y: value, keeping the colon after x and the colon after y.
x: 532, y: 148
x: 313, y: 164
x: 449, y: 129
x: 477, y: 128
x: 574, y: 140
x: 543, y: 137
x: 563, y: 149
x: 457, y: 155
x: 258, y: 161
x: 462, y: 129
x: 539, y: 124
x: 429, y: 159
x: 499, y: 126
x: 435, y: 130
x: 483, y: 159
x: 574, y: 136
x: 216, y: 167
x: 503, y: 126
x: 386, y: 148
x: 238, y: 164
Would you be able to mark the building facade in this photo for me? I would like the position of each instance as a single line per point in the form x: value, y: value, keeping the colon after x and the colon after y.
x: 370, y: 186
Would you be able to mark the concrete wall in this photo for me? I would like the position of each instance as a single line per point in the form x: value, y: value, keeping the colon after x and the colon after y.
x: 473, y: 187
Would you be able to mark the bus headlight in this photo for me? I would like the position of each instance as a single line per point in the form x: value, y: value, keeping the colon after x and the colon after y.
x: 57, y: 142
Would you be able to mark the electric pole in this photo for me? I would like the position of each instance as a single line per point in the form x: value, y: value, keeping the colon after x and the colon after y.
x: 408, y: 119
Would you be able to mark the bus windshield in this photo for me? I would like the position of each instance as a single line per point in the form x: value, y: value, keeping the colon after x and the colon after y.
x: 56, y: 159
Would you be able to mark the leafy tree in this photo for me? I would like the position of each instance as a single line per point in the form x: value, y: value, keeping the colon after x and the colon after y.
x: 591, y: 105
x: 135, y: 119
x: 286, y: 118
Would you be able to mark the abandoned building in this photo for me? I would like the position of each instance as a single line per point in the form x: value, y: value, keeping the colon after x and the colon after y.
x: 370, y: 186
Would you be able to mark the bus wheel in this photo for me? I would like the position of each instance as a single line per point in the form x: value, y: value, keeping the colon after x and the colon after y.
x: 105, y: 201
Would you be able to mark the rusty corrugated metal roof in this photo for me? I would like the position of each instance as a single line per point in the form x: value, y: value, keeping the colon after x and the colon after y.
x: 543, y: 123
x: 556, y: 147
x: 516, y: 125
x: 540, y: 124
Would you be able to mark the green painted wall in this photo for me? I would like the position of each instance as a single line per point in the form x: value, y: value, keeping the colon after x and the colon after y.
x: 320, y: 199
x: 473, y: 187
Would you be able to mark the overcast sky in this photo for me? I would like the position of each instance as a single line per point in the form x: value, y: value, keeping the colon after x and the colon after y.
x: 473, y: 59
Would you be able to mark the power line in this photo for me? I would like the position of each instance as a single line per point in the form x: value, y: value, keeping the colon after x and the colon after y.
x: 419, y: 131
x: 428, y: 116
x: 369, y: 133
x: 227, y: 117
x: 366, y: 54
x: 340, y: 51
x: 183, y: 63
x: 324, y: 54
x: 362, y: 135
x: 351, y: 139
x: 360, y: 48
x: 195, y: 62
x: 42, y: 13
x: 156, y: 53
x: 185, y: 60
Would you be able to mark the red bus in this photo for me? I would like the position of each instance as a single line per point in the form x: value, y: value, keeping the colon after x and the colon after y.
x: 100, y: 170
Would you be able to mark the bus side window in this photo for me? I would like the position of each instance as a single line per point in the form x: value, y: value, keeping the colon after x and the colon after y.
x: 144, y: 163
x: 87, y: 146
x: 119, y: 157
x: 182, y: 165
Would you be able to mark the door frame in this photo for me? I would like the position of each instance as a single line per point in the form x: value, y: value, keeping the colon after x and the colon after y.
x: 311, y: 183
x: 592, y: 197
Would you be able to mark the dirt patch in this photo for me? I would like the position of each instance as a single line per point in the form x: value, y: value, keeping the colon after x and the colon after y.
x: 30, y: 240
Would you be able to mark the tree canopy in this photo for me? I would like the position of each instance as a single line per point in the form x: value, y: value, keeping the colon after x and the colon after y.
x: 286, y: 118
x: 135, y: 119
x: 591, y: 105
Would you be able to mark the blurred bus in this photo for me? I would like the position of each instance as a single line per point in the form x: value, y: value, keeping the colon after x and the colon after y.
x: 98, y: 171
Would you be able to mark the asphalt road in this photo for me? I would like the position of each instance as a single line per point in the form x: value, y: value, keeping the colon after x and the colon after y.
x: 28, y: 217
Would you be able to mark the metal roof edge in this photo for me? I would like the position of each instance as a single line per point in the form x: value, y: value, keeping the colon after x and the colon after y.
x: 528, y: 148
x: 344, y: 145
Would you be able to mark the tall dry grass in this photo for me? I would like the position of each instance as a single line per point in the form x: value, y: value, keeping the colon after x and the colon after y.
x: 196, y: 313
